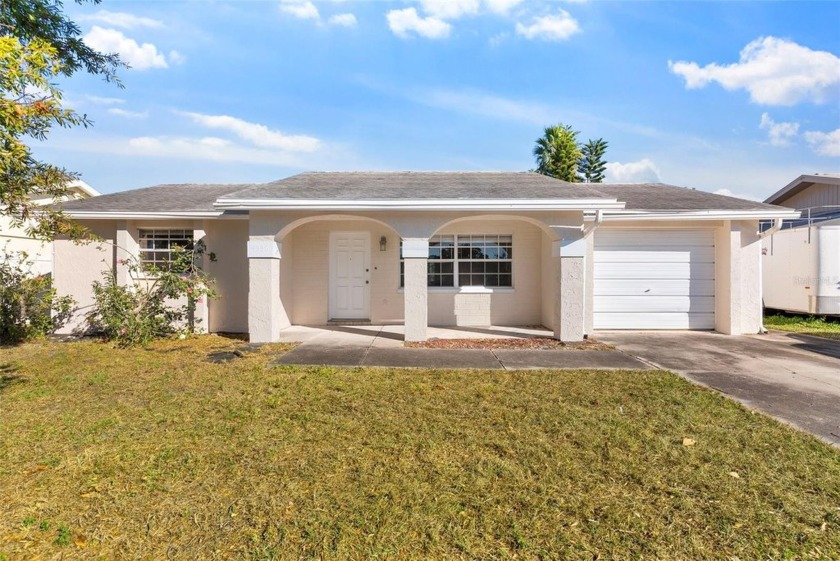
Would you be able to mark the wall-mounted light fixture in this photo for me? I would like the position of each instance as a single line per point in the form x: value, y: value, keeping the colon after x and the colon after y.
x: 383, y: 243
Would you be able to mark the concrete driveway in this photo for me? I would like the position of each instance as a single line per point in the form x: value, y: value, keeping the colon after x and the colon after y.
x: 795, y: 378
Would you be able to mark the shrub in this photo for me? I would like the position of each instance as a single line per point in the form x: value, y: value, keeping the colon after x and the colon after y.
x: 29, y: 305
x: 161, y: 304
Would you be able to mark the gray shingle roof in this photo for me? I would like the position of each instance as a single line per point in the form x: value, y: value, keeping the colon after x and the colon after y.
x: 658, y: 196
x: 160, y: 198
x: 410, y: 185
x: 353, y: 186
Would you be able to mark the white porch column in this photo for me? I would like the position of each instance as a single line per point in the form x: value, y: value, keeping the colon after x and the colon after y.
x: 266, y: 316
x: 569, y: 288
x: 738, y: 306
x: 415, y: 292
x: 201, y: 317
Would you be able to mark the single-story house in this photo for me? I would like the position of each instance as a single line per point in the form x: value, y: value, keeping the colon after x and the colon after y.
x: 15, y: 239
x: 463, y: 249
x: 801, y: 271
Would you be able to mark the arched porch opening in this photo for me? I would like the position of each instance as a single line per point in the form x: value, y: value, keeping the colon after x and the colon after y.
x: 340, y: 267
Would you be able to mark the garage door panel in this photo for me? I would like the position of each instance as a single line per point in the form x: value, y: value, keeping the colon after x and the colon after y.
x: 655, y: 287
x: 653, y: 255
x: 654, y: 279
x: 654, y: 304
x: 656, y: 238
x: 655, y: 321
x: 701, y: 271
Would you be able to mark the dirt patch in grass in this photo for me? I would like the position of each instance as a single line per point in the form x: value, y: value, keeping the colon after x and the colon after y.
x: 157, y: 453
x: 828, y: 328
x: 528, y: 343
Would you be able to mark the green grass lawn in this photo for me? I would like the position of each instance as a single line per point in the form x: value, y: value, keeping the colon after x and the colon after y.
x: 817, y: 326
x: 158, y: 453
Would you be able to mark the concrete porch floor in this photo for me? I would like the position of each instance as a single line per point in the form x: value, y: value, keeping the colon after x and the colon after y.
x: 393, y: 335
x: 382, y: 345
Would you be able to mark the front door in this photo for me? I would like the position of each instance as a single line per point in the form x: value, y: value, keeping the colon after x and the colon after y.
x: 349, y: 275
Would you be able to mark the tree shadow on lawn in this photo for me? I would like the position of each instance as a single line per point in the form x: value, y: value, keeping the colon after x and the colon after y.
x: 9, y: 376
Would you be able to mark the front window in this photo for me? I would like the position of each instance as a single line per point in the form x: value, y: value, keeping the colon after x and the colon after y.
x: 156, y: 247
x: 484, y: 260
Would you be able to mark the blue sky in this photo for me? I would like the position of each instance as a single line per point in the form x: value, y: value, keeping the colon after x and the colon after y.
x: 739, y: 97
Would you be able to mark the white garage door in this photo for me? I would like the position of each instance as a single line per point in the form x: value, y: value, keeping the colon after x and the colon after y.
x: 654, y: 279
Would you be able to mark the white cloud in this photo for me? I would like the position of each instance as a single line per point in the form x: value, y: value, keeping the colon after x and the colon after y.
x: 824, y: 143
x: 176, y: 57
x: 501, y: 6
x: 257, y: 134
x: 557, y: 27
x: 774, y: 71
x: 780, y: 133
x: 212, y: 149
x: 302, y: 9
x: 728, y: 193
x: 121, y: 19
x: 139, y: 57
x: 104, y: 100
x: 643, y: 171
x: 450, y: 9
x: 343, y: 20
x: 406, y: 21
x: 119, y: 112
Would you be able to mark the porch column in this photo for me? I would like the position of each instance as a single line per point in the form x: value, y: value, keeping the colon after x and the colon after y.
x: 415, y: 292
x: 569, y: 288
x: 265, y: 309
x: 200, y: 320
x: 738, y: 306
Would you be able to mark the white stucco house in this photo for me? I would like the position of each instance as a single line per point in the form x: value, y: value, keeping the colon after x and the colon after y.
x: 15, y: 239
x: 801, y: 269
x: 447, y: 248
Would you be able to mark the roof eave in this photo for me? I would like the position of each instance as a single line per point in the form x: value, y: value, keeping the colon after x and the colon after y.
x: 701, y: 215
x: 799, y: 184
x: 420, y: 204
x: 132, y: 215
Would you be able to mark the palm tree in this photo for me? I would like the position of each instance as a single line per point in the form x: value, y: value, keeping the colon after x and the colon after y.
x: 557, y: 153
x: 592, y: 165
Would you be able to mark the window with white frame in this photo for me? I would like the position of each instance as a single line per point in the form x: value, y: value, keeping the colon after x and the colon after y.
x: 460, y: 260
x: 156, y: 246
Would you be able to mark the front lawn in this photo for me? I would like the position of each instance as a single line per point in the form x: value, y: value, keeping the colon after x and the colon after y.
x: 160, y: 453
x: 810, y: 325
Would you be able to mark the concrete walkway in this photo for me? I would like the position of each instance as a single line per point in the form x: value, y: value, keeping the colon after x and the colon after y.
x: 376, y: 345
x: 792, y: 377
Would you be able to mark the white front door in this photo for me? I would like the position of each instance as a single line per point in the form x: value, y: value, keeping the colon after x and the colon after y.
x: 349, y: 275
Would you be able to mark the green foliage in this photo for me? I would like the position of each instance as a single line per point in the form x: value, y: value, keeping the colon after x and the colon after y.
x: 29, y: 306
x: 557, y: 153
x: 161, y: 302
x: 63, y: 535
x: 592, y: 165
x: 37, y: 45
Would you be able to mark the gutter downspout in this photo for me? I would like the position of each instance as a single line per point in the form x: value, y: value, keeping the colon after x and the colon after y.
x: 587, y: 231
x: 599, y: 217
x: 777, y: 225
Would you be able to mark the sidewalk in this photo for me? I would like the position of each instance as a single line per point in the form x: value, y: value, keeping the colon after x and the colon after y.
x: 367, y: 345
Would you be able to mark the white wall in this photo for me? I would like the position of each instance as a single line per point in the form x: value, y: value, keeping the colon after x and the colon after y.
x: 76, y: 266
x: 228, y: 240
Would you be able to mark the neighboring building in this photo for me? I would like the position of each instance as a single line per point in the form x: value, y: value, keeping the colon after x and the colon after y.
x: 801, y: 264
x: 466, y: 249
x: 15, y: 240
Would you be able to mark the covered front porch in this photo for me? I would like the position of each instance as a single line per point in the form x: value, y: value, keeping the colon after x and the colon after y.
x: 412, y: 272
